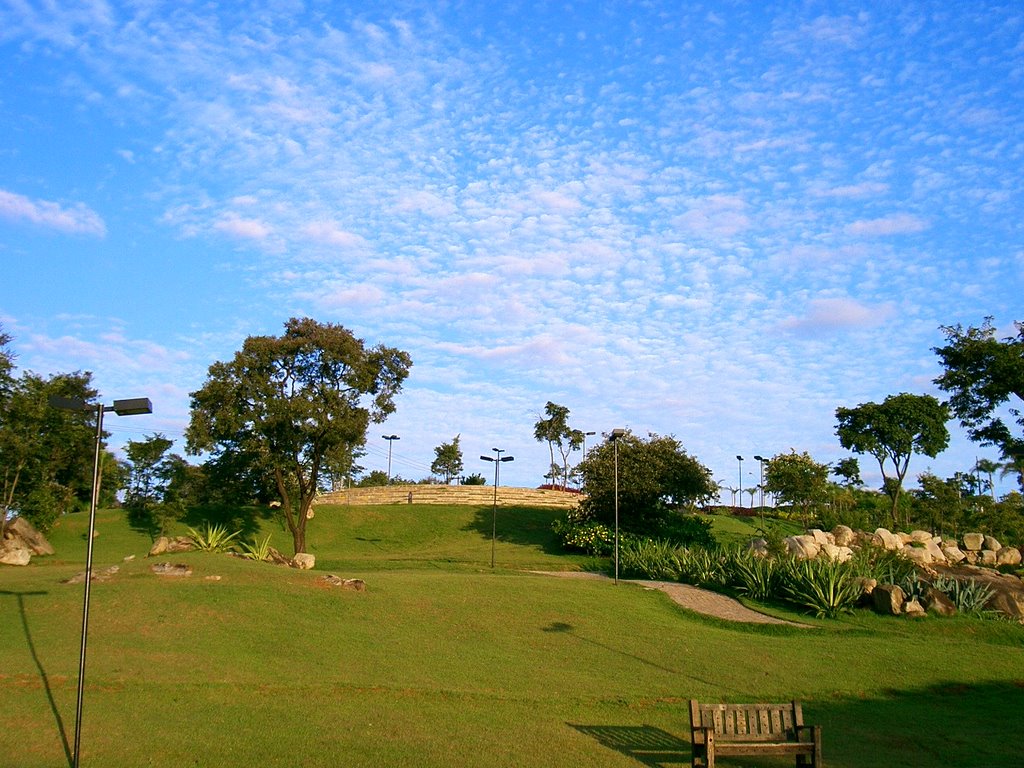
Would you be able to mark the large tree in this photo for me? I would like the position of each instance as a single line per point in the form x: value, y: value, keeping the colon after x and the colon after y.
x: 553, y: 428
x: 448, y: 460
x: 295, y: 404
x: 892, y: 431
x: 46, y: 454
x: 655, y: 475
x: 983, y: 376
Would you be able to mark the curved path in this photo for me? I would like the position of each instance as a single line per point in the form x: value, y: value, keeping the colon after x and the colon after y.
x: 690, y: 597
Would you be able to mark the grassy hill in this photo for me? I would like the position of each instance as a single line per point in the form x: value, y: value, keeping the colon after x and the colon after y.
x: 446, y: 662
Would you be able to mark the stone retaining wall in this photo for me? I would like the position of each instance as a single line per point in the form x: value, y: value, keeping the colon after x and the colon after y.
x: 474, y: 495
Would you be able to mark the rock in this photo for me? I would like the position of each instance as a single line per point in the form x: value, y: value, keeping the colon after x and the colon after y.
x: 843, y: 535
x: 97, y: 576
x: 867, y: 587
x: 820, y: 537
x: 128, y: 558
x: 888, y: 539
x: 973, y: 541
x: 922, y: 536
x: 913, y: 609
x: 159, y: 546
x: 935, y: 552
x: 991, y: 543
x: 171, y: 569
x: 988, y: 558
x: 919, y: 555
x: 357, y: 585
x: 304, y: 561
x: 904, y: 537
x: 888, y: 599
x: 21, y: 529
x: 274, y: 556
x: 803, y: 546
x: 953, y: 554
x: 310, y: 514
x: 212, y: 578
x: 938, y: 603
x: 11, y: 554
x: 180, y: 544
x: 839, y: 554
x: 759, y: 547
x: 1008, y: 556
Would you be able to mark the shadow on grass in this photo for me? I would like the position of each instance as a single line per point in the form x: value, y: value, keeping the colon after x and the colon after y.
x: 20, y: 597
x: 234, y: 518
x: 529, y: 526
x: 644, y: 743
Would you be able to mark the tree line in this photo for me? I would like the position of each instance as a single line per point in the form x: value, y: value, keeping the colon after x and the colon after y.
x: 288, y: 415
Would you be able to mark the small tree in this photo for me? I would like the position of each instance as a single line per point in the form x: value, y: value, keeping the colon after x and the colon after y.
x: 556, y: 432
x: 448, y: 461
x: 892, y: 431
x: 849, y: 470
x: 797, y: 479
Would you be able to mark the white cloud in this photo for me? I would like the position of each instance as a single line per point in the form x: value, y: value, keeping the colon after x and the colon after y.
x: 895, y: 224
x: 839, y: 314
x: 246, y: 229
x: 77, y: 219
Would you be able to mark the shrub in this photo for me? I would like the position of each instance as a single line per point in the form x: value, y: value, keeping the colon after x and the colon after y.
x: 256, y: 550
x: 823, y: 587
x: 584, y: 535
x: 753, y: 575
x: 213, y: 538
x: 968, y: 596
x: 649, y: 559
x: 702, y: 567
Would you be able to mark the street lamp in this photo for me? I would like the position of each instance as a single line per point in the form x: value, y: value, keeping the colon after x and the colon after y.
x: 494, y: 509
x: 761, y: 461
x: 614, y: 437
x: 391, y: 439
x: 131, y: 407
x: 740, y: 460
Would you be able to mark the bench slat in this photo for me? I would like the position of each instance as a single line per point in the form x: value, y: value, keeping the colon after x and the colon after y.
x: 752, y: 729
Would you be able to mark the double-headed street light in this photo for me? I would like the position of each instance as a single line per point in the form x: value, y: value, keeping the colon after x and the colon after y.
x: 130, y: 407
x: 494, y: 509
x: 391, y: 439
x: 614, y: 436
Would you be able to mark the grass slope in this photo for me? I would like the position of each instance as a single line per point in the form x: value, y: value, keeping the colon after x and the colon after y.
x: 444, y: 662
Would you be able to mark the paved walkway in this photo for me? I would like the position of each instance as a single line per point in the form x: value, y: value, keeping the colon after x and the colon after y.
x: 690, y: 597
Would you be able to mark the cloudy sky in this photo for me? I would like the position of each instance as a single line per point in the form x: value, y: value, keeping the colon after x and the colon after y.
x: 713, y: 220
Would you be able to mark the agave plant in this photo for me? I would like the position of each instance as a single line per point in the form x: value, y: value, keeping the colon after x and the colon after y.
x: 255, y: 550
x: 969, y: 596
x: 754, y: 575
x: 212, y: 538
x: 702, y: 567
x: 823, y: 587
x: 649, y: 558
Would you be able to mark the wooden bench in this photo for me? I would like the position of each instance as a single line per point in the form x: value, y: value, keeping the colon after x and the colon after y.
x: 719, y: 730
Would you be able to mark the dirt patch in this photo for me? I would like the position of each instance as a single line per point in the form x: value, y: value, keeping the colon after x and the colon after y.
x: 690, y: 597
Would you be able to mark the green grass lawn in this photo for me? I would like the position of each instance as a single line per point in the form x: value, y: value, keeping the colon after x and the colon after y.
x: 446, y: 662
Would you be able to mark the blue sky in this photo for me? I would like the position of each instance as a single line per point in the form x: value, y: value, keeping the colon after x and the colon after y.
x: 718, y: 221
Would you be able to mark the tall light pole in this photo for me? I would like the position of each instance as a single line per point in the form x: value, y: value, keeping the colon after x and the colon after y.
x: 584, y: 453
x: 494, y: 508
x: 391, y: 439
x: 614, y: 437
x: 761, y: 461
x: 131, y: 407
x: 740, y: 460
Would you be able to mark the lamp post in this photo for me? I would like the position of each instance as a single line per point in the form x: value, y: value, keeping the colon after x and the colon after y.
x: 130, y: 407
x: 761, y: 461
x: 740, y: 460
x: 391, y: 439
x: 494, y: 509
x: 614, y: 437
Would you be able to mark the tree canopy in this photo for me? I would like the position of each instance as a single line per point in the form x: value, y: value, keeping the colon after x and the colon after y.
x: 655, y: 475
x: 797, y: 479
x: 892, y: 431
x: 553, y: 428
x: 294, y: 404
x: 984, y: 374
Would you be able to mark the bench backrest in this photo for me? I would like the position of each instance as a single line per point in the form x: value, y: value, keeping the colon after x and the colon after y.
x: 746, y: 722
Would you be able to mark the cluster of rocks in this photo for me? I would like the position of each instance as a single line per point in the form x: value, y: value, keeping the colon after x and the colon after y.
x: 21, y: 541
x: 919, y: 546
x: 170, y: 545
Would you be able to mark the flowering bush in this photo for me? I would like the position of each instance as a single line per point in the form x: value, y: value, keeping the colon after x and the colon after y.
x: 581, y: 534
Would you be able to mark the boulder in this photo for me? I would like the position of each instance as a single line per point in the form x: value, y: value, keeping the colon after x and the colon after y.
x: 759, y: 547
x: 21, y: 529
x: 839, y: 554
x: 843, y: 535
x: 180, y: 544
x: 953, y: 554
x: 867, y: 588
x: 991, y: 543
x: 820, y: 537
x: 935, y: 552
x: 888, y: 540
x: 919, y: 555
x: 988, y: 558
x: 913, y: 609
x: 973, y: 541
x: 304, y: 561
x: 14, y: 554
x: 922, y: 536
x: 802, y: 547
x: 888, y: 599
x: 1008, y: 556
x: 159, y: 546
x: 938, y: 603
x: 274, y: 556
